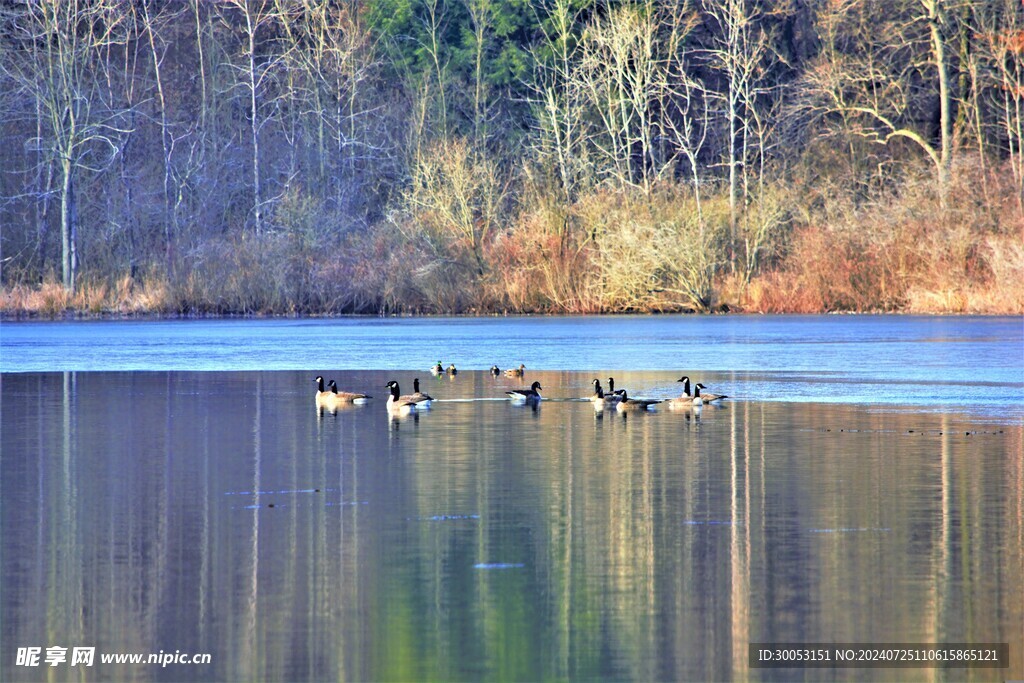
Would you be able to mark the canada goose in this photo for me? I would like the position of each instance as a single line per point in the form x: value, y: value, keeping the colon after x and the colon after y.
x: 515, y: 372
x: 396, y: 402
x: 684, y: 400
x: 601, y: 399
x: 452, y: 371
x: 528, y: 395
x: 694, y: 401
x: 634, y: 404
x: 437, y: 369
x: 495, y: 371
x: 611, y: 388
x: 345, y: 396
x: 708, y: 398
x: 320, y: 393
x: 417, y: 396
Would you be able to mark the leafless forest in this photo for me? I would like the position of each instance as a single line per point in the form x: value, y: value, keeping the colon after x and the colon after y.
x: 482, y: 156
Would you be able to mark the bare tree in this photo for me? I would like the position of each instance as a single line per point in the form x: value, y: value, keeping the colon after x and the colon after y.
x: 882, y: 74
x: 257, y: 70
x: 622, y: 73
x: 458, y: 196
x: 62, y: 71
x: 740, y: 47
x: 559, y: 104
x: 999, y: 80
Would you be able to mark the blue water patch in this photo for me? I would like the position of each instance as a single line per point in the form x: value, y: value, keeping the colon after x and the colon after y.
x: 846, y: 530
x: 963, y: 363
x: 443, y: 518
x: 499, y: 565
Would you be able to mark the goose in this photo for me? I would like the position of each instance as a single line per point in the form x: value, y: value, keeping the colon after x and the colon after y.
x: 528, y: 395
x: 515, y: 372
x: 452, y: 371
x: 396, y: 402
x: 601, y: 399
x: 417, y: 396
x: 684, y: 400
x: 611, y: 388
x: 321, y: 395
x: 694, y: 401
x: 495, y: 371
x: 708, y: 398
x: 634, y: 405
x: 437, y: 369
x: 345, y: 396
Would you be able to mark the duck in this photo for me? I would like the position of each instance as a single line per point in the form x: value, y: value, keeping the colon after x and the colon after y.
x: 516, y: 372
x: 417, y: 396
x: 634, y: 405
x: 601, y: 399
x: 345, y: 396
x: 437, y: 369
x: 396, y: 402
x: 452, y: 371
x: 495, y: 371
x: 530, y: 395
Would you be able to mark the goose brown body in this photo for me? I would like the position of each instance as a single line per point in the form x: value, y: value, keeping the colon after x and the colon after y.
x: 396, y: 402
x: 635, y: 405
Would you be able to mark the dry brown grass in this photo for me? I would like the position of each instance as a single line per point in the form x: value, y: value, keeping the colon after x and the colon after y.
x: 610, y: 251
x: 93, y: 298
x: 904, y: 252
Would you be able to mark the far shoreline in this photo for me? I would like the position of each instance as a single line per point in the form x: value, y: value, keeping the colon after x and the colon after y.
x: 108, y: 316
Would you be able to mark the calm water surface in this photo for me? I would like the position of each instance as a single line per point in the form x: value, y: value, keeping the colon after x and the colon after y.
x: 218, y: 512
x: 973, y: 363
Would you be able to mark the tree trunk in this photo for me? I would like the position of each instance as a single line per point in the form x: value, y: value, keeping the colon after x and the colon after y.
x: 68, y: 214
x: 945, y: 97
x: 254, y: 113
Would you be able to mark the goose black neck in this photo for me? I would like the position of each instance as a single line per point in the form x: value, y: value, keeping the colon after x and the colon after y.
x: 319, y: 383
x: 394, y: 391
x: 611, y: 385
x: 416, y: 385
x: 686, y: 386
x: 696, y: 391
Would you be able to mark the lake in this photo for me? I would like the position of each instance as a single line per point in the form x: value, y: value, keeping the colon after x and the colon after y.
x: 972, y: 363
x: 155, y: 499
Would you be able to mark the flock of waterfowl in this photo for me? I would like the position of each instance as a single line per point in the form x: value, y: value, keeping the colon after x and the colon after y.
x: 331, y: 399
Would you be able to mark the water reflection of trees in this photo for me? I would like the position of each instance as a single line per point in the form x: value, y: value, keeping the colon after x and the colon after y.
x: 652, y: 548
